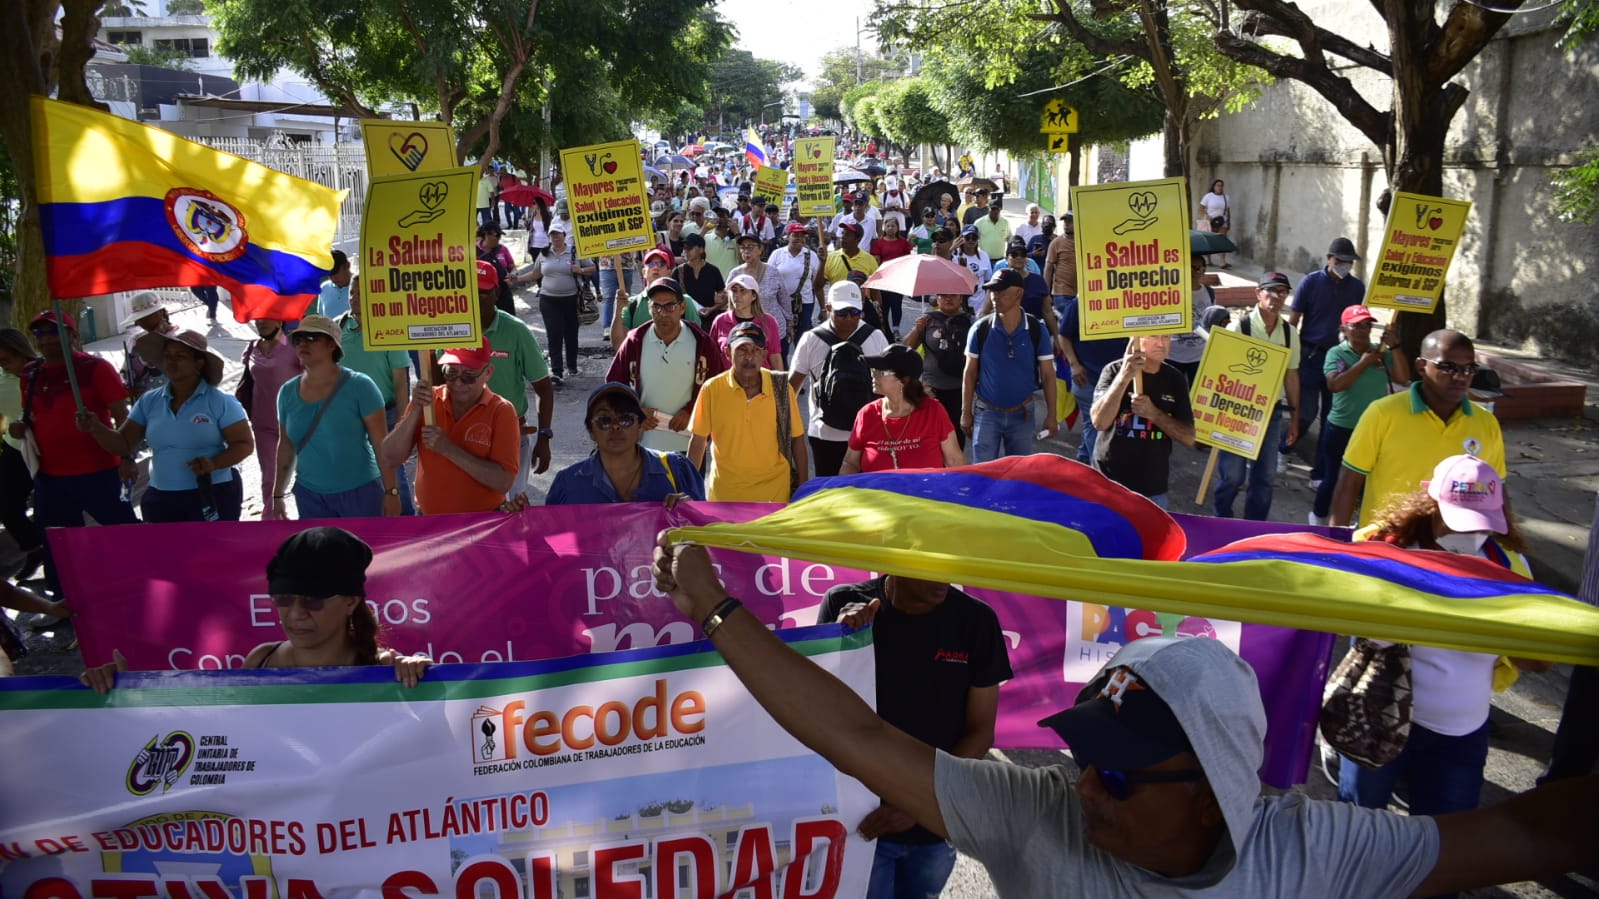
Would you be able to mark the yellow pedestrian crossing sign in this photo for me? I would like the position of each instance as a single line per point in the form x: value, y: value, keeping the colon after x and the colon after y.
x: 1059, y: 143
x: 1058, y: 118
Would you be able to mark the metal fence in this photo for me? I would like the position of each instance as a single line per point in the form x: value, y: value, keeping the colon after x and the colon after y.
x: 341, y: 167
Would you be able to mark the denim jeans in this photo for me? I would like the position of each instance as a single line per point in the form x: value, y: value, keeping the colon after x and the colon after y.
x: 1444, y: 773
x: 910, y: 870
x: 807, y: 317
x: 1329, y: 460
x: 1315, y: 401
x: 185, y: 505
x: 402, y: 478
x: 996, y: 434
x: 1233, y: 470
x: 893, y: 306
x: 1085, y: 405
x: 60, y: 501
x: 608, y: 284
x: 365, y: 501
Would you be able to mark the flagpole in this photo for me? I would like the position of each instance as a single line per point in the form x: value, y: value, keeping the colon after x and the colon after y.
x: 65, y: 333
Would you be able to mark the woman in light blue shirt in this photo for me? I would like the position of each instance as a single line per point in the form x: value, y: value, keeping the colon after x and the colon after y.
x: 196, y: 433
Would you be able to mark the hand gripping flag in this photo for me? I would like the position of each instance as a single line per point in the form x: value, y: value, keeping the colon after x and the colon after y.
x: 754, y: 150
x: 125, y: 206
x: 1046, y: 526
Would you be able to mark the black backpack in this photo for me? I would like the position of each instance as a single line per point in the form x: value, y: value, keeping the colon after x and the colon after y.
x: 947, y: 344
x: 1035, y: 330
x: 845, y: 386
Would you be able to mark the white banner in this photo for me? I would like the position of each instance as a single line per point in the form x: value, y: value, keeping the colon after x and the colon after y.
x: 647, y: 774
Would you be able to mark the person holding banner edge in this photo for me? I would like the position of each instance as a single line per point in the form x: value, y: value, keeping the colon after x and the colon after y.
x: 1168, y: 800
x: 317, y: 581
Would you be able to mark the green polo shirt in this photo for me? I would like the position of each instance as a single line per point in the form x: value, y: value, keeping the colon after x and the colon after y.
x: 518, y: 360
x: 379, y: 365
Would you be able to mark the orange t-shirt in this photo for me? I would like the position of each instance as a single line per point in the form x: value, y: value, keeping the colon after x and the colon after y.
x: 489, y: 430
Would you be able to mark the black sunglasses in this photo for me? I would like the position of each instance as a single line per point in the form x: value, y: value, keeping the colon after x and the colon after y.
x: 1119, y: 784
x: 1451, y: 369
x: 309, y: 603
x: 306, y: 337
x: 846, y: 312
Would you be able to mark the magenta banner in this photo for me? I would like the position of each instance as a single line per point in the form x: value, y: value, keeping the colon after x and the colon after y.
x: 569, y: 580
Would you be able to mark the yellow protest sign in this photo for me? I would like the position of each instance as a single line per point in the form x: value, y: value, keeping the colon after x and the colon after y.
x: 1132, y: 259
x: 418, y: 264
x: 1060, y: 143
x: 608, y: 199
x: 1420, y: 241
x: 1058, y: 118
x: 813, y: 175
x: 397, y: 148
x: 1235, y: 390
x: 771, y: 182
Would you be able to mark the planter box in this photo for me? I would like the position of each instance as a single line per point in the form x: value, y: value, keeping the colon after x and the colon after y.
x: 1533, y: 393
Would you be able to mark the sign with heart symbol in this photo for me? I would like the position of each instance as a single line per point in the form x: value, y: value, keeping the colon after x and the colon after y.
x: 410, y: 148
x: 433, y: 193
x: 1238, y: 383
x: 1410, y: 267
x: 1143, y: 203
x: 606, y: 198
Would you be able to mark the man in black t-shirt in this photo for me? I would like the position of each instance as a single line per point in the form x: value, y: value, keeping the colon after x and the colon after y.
x: 1137, y: 423
x: 940, y: 660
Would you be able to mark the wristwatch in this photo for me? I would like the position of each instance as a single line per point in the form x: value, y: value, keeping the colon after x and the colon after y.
x: 546, y: 433
x: 723, y: 610
x: 393, y: 491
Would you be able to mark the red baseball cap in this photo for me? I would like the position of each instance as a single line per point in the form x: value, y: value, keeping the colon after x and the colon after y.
x: 658, y: 253
x: 794, y: 228
x: 470, y: 357
x: 48, y: 317
x: 488, y: 278
x: 1356, y: 313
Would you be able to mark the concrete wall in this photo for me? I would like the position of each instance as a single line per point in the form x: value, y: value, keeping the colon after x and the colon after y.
x: 1298, y: 176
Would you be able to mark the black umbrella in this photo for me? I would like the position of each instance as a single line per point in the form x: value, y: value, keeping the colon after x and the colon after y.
x: 928, y: 196
x: 981, y: 184
x: 1205, y: 243
x: 873, y: 167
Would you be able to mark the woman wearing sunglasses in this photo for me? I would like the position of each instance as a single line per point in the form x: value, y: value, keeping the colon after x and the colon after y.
x: 332, y: 425
x: 619, y: 470
x: 317, y: 580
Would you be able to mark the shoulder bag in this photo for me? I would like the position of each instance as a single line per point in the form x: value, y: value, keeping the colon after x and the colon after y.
x: 299, y: 445
x: 785, y: 443
x: 1365, y: 712
x: 245, y: 392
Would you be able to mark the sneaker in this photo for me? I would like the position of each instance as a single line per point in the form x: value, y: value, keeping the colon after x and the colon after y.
x: 555, y: 381
x: 1282, y: 463
x: 1315, y: 483
x: 1317, y: 520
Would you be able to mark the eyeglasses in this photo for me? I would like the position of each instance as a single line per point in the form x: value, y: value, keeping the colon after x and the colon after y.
x: 846, y: 312
x: 453, y: 374
x: 1359, y: 326
x: 1119, y: 784
x: 667, y: 307
x: 306, y: 337
x: 38, y: 331
x: 624, y: 421
x: 884, y: 373
x: 308, y: 603
x: 1451, y: 369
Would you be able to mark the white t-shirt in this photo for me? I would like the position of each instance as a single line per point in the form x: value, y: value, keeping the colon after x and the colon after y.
x: 980, y: 266
x: 791, y: 267
x: 1215, y: 204
x: 1028, y: 232
x: 809, y: 358
x: 868, y: 225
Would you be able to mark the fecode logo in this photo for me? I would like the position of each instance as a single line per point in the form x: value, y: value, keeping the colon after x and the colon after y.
x: 160, y: 763
x: 501, y: 735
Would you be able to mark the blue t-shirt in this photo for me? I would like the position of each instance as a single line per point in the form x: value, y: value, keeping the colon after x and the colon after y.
x: 1094, y: 354
x: 1007, y: 370
x: 194, y: 430
x: 1320, y: 301
x: 1004, y: 263
x: 587, y: 482
x: 333, y: 301
x: 339, y: 456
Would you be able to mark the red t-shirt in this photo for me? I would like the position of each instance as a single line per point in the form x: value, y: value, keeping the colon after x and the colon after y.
x: 911, y: 442
x: 63, y: 449
x: 885, y: 250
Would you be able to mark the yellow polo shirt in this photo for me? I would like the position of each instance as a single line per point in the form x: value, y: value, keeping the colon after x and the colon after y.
x: 1400, y: 440
x: 837, y: 267
x: 747, y: 466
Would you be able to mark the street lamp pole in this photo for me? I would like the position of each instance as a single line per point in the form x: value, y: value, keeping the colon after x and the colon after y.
x: 857, y: 49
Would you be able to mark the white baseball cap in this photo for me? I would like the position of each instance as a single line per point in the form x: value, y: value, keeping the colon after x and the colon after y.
x: 844, y: 295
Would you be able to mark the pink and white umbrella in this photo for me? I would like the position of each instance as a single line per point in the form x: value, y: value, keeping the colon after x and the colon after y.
x: 918, y: 275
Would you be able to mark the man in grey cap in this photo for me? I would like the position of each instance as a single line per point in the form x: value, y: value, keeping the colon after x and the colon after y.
x: 1169, y: 736
x: 1318, y: 304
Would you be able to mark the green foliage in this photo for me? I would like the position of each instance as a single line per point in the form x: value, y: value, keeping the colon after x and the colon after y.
x: 185, y: 7
x: 150, y: 56
x: 1584, y: 20
x: 742, y: 86
x: 838, y: 77
x: 1577, y: 188
x: 907, y: 115
x: 124, y: 8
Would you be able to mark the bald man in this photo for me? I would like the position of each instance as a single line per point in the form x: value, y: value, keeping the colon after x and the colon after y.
x: 1401, y: 437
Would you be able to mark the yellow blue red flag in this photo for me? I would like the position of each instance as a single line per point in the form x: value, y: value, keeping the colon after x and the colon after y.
x: 754, y: 150
x: 125, y: 206
x: 1046, y: 526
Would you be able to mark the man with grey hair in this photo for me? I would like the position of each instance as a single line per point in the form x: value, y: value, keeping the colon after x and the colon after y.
x: 1034, y: 226
x: 1169, y: 736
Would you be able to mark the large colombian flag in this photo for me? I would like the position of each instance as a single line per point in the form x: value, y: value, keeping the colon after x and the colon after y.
x: 1046, y: 526
x: 125, y: 206
x: 754, y: 149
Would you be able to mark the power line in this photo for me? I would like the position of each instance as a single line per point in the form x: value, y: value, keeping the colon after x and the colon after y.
x: 1113, y: 64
